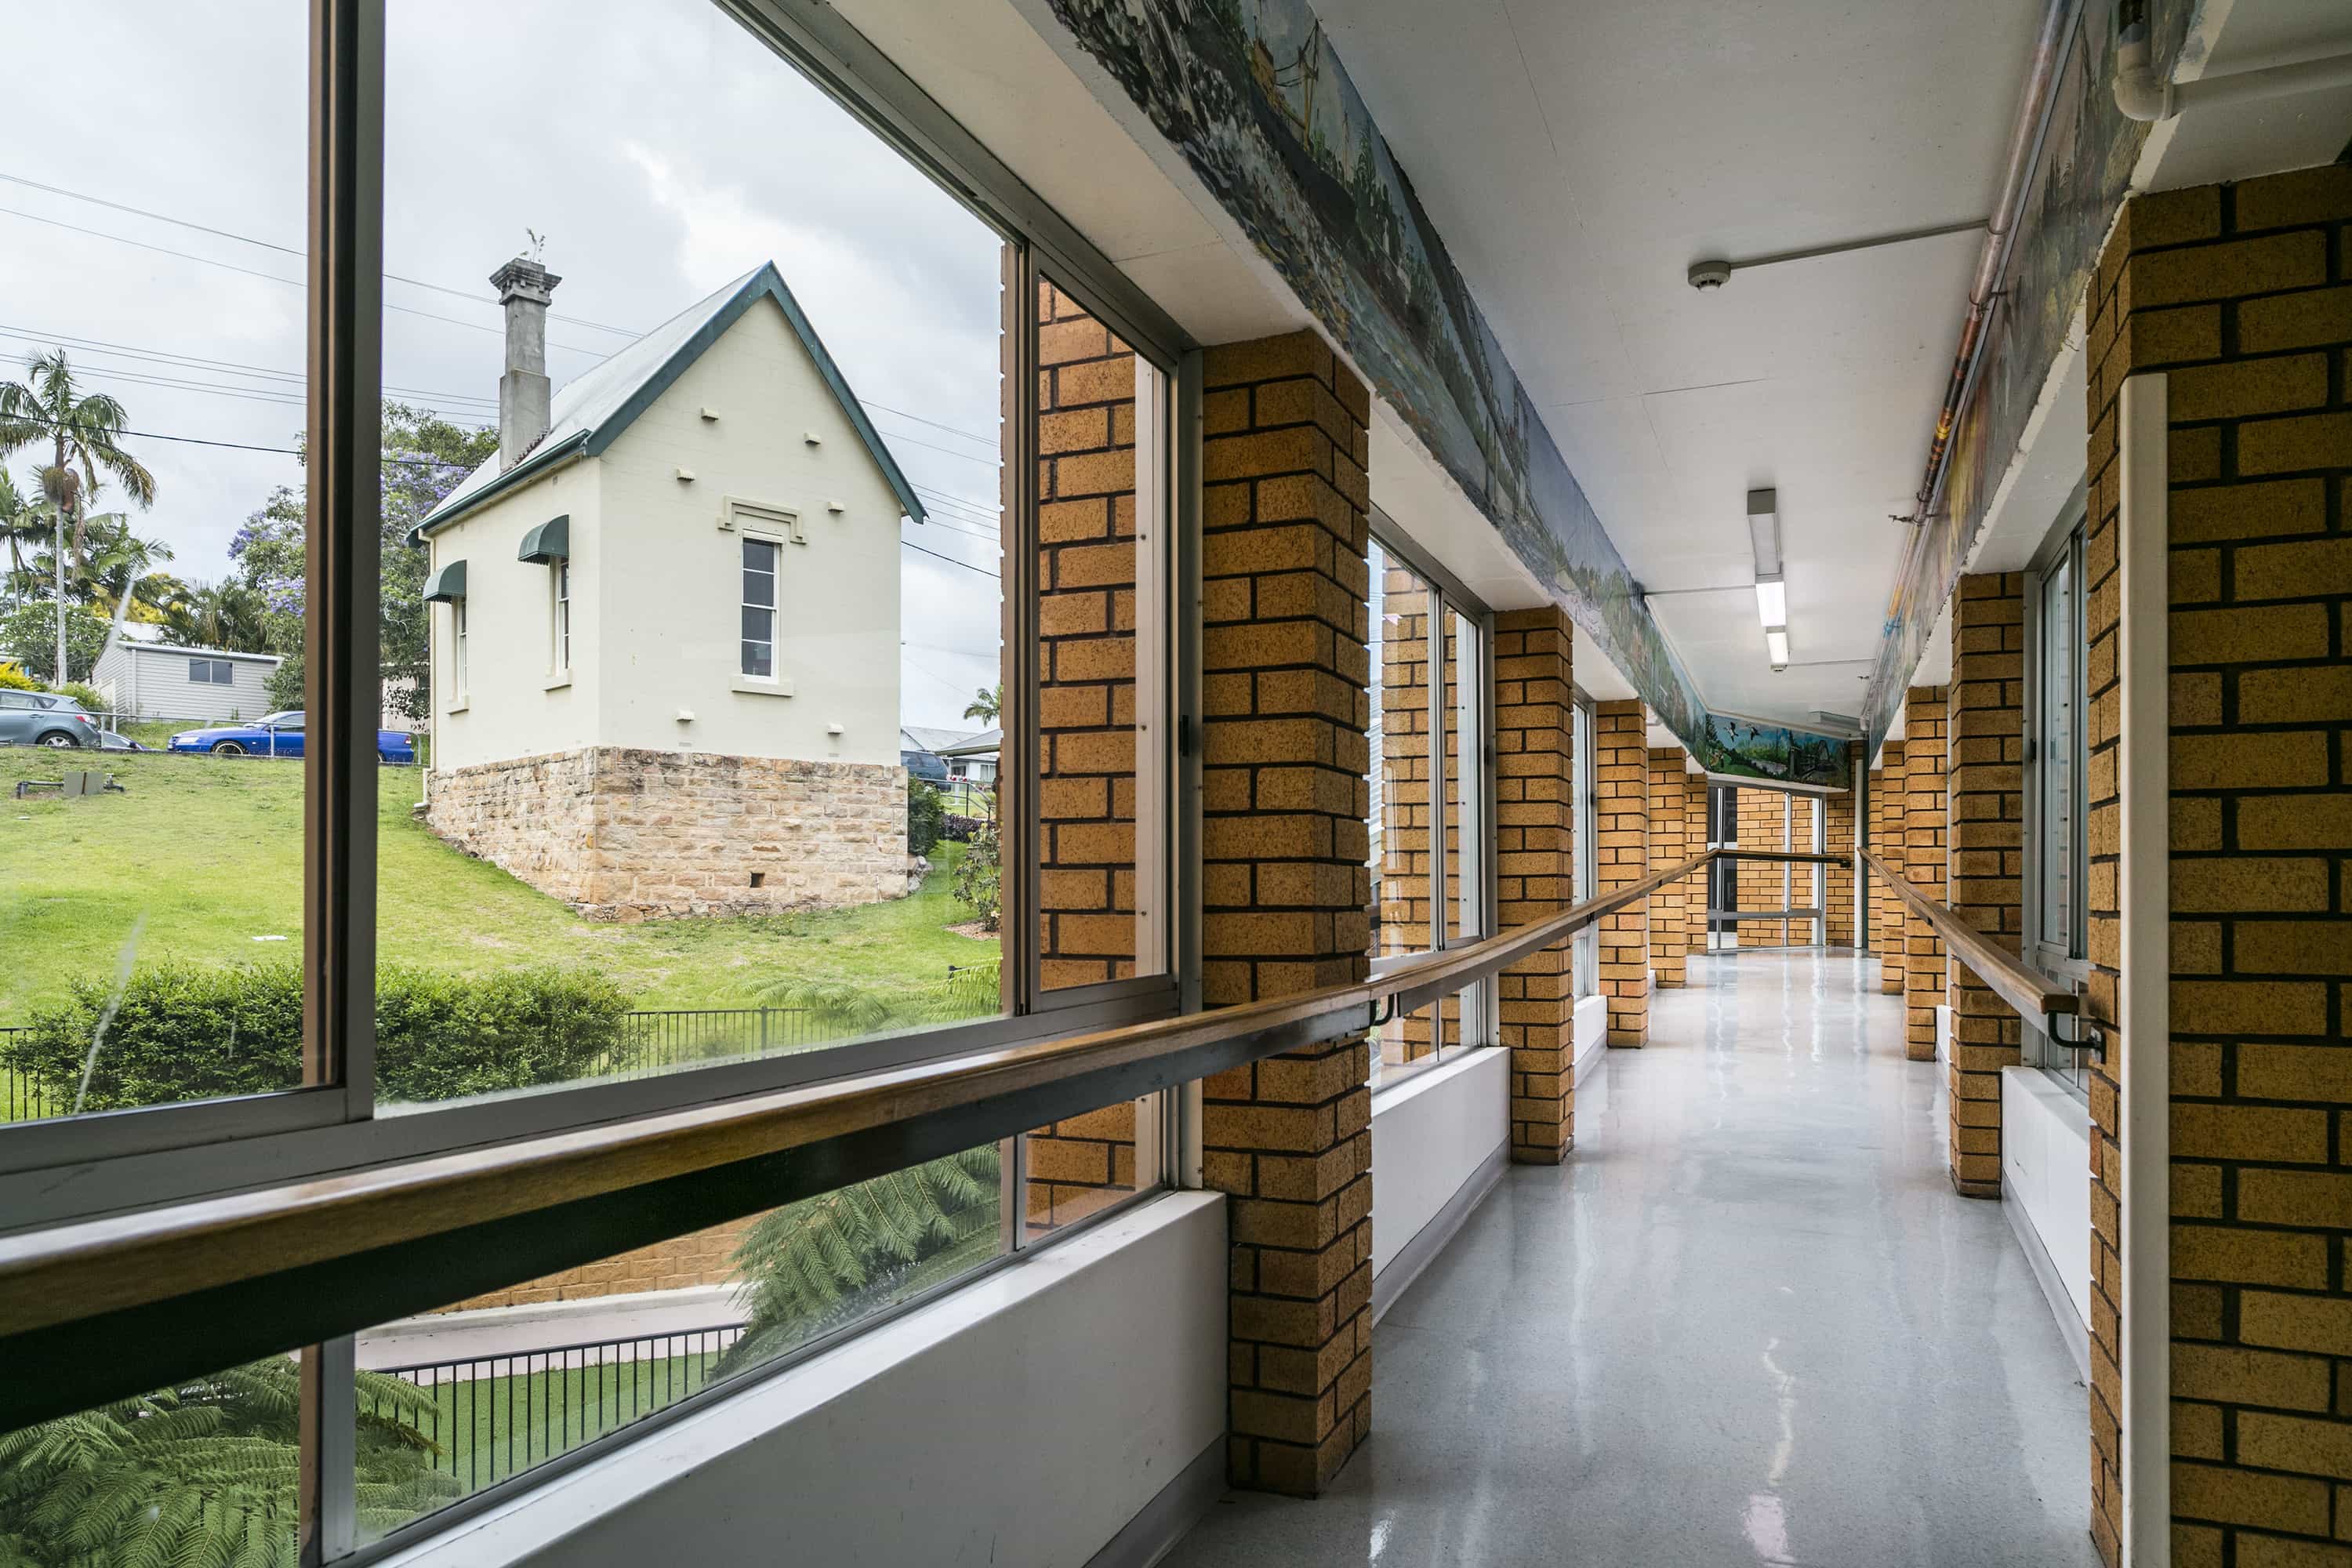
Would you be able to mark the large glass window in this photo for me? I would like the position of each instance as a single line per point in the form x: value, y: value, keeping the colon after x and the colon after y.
x: 1587, y: 845
x: 1427, y: 800
x: 151, y: 491
x: 2057, y: 759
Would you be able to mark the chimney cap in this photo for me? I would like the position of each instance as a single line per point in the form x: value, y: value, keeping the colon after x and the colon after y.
x: 526, y: 278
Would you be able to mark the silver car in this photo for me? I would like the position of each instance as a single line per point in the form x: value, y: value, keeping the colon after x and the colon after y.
x: 45, y: 719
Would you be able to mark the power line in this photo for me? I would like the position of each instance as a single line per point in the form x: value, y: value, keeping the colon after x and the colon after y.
x: 268, y: 276
x: 931, y: 446
x: 282, y: 249
x: 920, y: 419
x: 983, y: 571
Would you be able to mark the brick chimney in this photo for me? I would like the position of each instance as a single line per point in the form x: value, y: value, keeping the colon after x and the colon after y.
x: 524, y: 288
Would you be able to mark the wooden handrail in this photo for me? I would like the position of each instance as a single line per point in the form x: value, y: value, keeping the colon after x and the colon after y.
x: 2033, y: 993
x: 310, y: 1260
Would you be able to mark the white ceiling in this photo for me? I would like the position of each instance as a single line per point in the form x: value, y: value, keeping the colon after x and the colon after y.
x: 1577, y: 155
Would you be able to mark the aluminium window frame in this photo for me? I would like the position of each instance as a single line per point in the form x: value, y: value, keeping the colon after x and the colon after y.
x: 1585, y: 963
x: 2065, y: 542
x: 745, y: 538
x: 1449, y: 597
x: 159, y: 1154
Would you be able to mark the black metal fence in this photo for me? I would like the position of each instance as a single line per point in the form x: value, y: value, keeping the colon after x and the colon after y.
x: 492, y: 1416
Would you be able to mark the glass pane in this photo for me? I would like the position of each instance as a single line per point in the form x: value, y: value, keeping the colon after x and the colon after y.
x: 1081, y: 1165
x: 1584, y: 847
x: 489, y: 1388
x: 1399, y: 785
x: 655, y: 327
x: 152, y: 375
x: 1101, y: 910
x: 203, y: 1471
x: 1466, y: 794
x: 2055, y: 756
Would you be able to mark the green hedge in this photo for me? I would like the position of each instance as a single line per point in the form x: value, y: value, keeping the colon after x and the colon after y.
x: 185, y: 1032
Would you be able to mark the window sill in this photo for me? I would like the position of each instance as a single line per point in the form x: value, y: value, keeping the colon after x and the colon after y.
x: 751, y: 688
x: 556, y: 682
x: 457, y: 707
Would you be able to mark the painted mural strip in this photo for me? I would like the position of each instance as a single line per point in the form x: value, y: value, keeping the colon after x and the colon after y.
x: 1252, y: 95
x: 2073, y: 195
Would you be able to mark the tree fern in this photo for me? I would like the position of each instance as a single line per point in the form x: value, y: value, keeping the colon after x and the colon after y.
x: 814, y: 1265
x: 200, y: 1475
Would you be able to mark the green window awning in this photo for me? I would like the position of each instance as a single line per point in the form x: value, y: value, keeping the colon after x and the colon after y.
x: 550, y: 541
x: 447, y: 584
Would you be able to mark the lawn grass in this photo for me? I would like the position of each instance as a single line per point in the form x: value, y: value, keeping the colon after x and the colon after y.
x: 202, y: 860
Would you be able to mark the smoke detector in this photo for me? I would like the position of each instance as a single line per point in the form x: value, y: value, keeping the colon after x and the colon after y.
x: 1706, y: 275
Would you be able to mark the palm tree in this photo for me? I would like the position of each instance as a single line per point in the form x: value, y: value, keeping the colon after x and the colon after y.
x: 228, y: 615
x: 20, y: 525
x: 85, y: 436
x: 988, y: 705
x: 118, y: 567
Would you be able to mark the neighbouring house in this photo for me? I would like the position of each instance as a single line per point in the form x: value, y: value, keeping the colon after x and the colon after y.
x: 939, y: 756
x: 166, y: 680
x: 665, y: 667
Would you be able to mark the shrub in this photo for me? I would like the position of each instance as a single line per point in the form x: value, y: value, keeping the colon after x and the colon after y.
x: 978, y: 882
x: 89, y: 697
x: 285, y: 685
x: 182, y: 1031
x: 927, y: 814
x: 15, y: 679
x: 28, y: 634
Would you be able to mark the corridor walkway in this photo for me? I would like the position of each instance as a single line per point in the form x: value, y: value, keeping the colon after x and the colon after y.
x: 1750, y: 1322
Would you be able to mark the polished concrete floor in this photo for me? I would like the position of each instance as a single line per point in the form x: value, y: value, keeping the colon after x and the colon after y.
x: 1749, y: 1322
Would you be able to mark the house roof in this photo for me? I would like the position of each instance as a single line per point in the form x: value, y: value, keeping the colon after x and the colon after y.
x: 926, y: 738
x: 987, y: 743
x: 591, y: 412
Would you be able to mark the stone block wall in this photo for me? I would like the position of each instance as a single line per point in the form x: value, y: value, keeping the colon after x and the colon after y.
x: 621, y: 833
x: 1285, y: 503
x: 1924, y: 851
x: 1535, y: 869
x: 1985, y: 717
x: 1621, y: 781
x: 2242, y: 297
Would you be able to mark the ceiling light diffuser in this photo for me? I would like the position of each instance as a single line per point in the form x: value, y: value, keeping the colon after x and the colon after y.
x: 1776, y: 647
x: 1772, y: 601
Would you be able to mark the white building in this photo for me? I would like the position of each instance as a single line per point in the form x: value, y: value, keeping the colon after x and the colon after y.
x: 666, y: 663
x: 166, y: 681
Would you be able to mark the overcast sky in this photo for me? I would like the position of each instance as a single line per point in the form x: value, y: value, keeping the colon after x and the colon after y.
x: 659, y: 149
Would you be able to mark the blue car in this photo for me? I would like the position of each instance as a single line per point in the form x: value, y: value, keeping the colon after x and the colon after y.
x: 280, y: 735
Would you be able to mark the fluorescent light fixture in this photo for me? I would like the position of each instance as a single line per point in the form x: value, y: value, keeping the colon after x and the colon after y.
x: 1776, y: 647
x: 1764, y: 531
x: 1772, y: 601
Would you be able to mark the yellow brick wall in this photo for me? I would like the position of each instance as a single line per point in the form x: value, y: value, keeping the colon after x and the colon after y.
x: 1535, y: 869
x: 1285, y: 513
x: 1670, y: 846
x: 2242, y: 296
x: 704, y: 1258
x: 1622, y: 818
x: 1924, y: 851
x: 1985, y: 717
x: 1889, y: 798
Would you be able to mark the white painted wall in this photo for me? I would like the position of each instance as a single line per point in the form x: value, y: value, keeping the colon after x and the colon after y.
x: 150, y: 678
x: 1023, y: 1420
x: 671, y: 595
x: 2046, y: 1167
x: 657, y: 584
x: 1431, y: 1136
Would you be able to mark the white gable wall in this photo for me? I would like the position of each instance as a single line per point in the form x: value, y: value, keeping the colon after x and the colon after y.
x: 516, y: 704
x: 671, y: 598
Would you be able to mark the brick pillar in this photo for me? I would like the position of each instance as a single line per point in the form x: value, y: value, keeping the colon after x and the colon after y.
x: 1694, y: 835
x: 1621, y: 781
x: 1086, y: 789
x: 1924, y: 849
x: 1985, y: 717
x: 1535, y: 867
x: 2242, y: 296
x: 1762, y: 818
x: 1285, y: 885
x: 1407, y: 905
x: 1669, y: 846
x: 1887, y: 794
x: 1837, y: 881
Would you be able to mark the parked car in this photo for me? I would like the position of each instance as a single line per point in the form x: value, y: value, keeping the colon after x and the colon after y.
x: 45, y: 719
x: 280, y: 735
